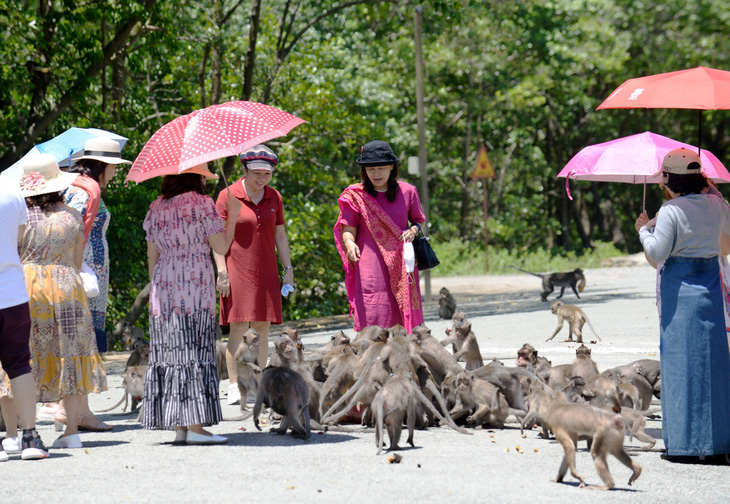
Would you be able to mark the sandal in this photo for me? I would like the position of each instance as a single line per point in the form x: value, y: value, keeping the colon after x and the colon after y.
x: 93, y: 423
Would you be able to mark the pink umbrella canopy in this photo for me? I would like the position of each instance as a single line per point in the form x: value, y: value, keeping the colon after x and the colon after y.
x: 208, y: 134
x: 634, y: 159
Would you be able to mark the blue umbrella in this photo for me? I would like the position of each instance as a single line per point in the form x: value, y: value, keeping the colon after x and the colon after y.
x: 63, y: 146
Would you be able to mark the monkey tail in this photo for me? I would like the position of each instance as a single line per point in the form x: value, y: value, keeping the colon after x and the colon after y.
x: 378, y: 414
x: 122, y: 400
x: 446, y: 420
x: 523, y: 271
x: 245, y: 416
x: 591, y: 326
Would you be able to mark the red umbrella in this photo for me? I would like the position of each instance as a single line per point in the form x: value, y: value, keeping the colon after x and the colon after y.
x: 698, y: 88
x: 211, y: 133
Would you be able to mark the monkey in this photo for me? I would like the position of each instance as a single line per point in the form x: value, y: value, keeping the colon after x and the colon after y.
x: 247, y: 366
x: 368, y: 335
x: 602, y: 390
x: 557, y: 377
x: 628, y: 394
x: 285, y: 352
x: 394, y: 403
x: 284, y: 391
x: 133, y: 385
x: 131, y: 335
x: 220, y: 359
x: 507, y: 380
x: 570, y: 421
x: 583, y: 365
x: 316, y: 358
x: 464, y: 342
x: 563, y: 279
x: 447, y: 304
x: 651, y: 370
x: 575, y: 317
x: 575, y: 389
x: 637, y: 423
x: 527, y: 356
x: 440, y: 361
x: 481, y: 400
x: 340, y: 364
x: 639, y: 381
x: 540, y: 400
x: 140, y: 355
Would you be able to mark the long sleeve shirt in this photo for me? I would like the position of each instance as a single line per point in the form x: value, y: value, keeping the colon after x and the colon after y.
x: 687, y: 226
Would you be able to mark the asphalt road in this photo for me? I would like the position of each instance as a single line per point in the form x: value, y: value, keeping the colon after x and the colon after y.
x: 133, y: 465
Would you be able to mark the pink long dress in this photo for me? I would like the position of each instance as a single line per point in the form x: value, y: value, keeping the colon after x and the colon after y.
x: 376, y: 297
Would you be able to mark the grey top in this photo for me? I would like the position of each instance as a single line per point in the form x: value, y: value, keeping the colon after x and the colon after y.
x: 687, y: 226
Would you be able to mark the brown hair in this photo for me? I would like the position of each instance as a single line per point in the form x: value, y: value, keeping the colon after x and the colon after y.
x: 172, y: 185
x: 46, y: 202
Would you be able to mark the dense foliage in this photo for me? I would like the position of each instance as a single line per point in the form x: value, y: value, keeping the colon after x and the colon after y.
x: 522, y: 77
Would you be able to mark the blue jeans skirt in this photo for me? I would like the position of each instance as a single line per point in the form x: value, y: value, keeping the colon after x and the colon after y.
x: 695, y: 360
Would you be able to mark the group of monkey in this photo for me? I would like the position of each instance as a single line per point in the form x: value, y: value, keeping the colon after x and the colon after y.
x: 386, y: 378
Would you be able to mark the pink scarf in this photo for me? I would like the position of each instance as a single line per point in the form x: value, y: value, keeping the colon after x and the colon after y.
x: 386, y: 233
x: 91, y: 186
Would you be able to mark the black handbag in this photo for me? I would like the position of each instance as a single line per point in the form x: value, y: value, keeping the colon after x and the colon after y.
x: 425, y: 256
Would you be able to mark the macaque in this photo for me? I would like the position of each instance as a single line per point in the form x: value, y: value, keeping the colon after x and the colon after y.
x: 220, y: 359
x: 316, y: 358
x: 527, y: 356
x: 340, y: 364
x: 643, y: 386
x: 440, y: 361
x: 447, y: 304
x: 369, y: 335
x: 131, y: 337
x: 133, y: 385
x: 565, y: 279
x: 247, y: 366
x: 288, y: 354
x: 285, y: 352
x: 393, y: 404
x: 602, y: 390
x: 570, y: 422
x: 583, y: 365
x: 507, y: 380
x: 464, y: 342
x: 576, y: 319
x: 481, y: 400
x: 284, y: 391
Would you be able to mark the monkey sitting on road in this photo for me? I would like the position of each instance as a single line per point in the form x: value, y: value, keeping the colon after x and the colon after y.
x: 570, y: 421
x: 285, y: 391
x: 447, y: 304
x: 575, y: 317
x: 564, y: 279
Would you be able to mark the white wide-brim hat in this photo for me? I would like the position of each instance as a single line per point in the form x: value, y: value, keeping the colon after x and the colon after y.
x: 101, y: 149
x: 41, y: 175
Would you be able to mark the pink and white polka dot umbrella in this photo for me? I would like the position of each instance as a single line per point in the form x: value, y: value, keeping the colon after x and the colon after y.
x: 211, y: 133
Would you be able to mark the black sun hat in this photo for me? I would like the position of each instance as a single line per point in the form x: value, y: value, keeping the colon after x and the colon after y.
x: 376, y: 153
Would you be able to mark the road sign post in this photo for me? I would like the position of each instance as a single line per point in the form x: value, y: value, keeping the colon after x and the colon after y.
x: 483, y: 170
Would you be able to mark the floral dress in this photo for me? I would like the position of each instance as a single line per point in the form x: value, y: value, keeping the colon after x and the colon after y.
x: 64, y: 356
x: 181, y: 384
x: 96, y: 255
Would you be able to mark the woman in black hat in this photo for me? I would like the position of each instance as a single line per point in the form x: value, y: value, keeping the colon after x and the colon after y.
x: 377, y: 216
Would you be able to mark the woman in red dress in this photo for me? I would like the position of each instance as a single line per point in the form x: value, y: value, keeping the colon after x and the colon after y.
x: 248, y: 275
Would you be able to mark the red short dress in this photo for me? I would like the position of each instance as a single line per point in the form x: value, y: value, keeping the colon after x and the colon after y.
x: 251, y: 261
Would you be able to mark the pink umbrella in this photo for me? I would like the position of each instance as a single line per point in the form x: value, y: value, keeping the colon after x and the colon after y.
x: 208, y: 134
x: 634, y: 159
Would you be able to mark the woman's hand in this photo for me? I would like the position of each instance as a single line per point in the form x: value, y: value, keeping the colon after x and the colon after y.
x: 353, y: 251
x: 409, y: 234
x: 233, y: 205
x: 288, y: 277
x: 223, y: 284
x: 641, y: 221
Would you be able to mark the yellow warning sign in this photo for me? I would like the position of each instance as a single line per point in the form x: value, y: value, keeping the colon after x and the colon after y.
x: 483, y: 169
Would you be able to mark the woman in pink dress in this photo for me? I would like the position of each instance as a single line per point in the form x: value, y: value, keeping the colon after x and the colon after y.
x: 372, y: 226
x: 248, y: 275
x: 181, y: 383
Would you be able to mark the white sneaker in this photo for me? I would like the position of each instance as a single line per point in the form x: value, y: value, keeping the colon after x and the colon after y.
x: 234, y: 395
x: 3, y: 456
x: 12, y: 444
x: 70, y: 441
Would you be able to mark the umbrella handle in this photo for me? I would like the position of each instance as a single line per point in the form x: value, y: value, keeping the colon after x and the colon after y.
x: 567, y: 185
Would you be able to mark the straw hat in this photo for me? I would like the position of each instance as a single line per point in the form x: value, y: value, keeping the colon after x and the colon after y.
x: 102, y: 149
x: 201, y: 169
x: 41, y: 175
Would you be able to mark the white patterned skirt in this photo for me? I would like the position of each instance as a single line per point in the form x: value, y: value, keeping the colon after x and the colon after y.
x: 181, y: 384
